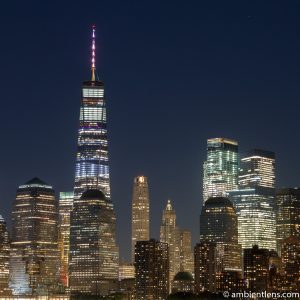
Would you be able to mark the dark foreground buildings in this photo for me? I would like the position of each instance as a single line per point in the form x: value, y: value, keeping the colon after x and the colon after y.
x: 152, y: 270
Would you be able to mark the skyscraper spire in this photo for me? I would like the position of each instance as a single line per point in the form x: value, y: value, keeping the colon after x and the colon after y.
x: 93, y: 52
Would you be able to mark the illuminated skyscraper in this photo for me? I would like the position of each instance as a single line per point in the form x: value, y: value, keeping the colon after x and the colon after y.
x: 93, y: 260
x: 220, y: 168
x: 290, y: 255
x: 64, y: 211
x: 206, y: 266
x: 254, y: 200
x: 256, y: 269
x: 140, y: 212
x: 4, y: 258
x: 34, y: 258
x: 152, y: 270
x: 93, y: 264
x: 126, y: 271
x: 92, y: 166
x: 186, y: 252
x: 218, y: 224
x: 169, y: 235
x: 288, y: 214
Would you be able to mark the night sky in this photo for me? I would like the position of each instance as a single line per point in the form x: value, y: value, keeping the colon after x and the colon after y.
x: 176, y: 73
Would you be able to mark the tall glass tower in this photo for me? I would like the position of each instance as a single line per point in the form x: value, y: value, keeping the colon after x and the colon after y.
x: 94, y: 255
x: 65, y: 208
x: 92, y: 169
x: 220, y: 168
x: 254, y: 200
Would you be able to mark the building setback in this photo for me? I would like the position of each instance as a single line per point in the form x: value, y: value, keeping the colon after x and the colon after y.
x: 254, y: 200
x: 94, y: 255
x: 169, y: 234
x: 92, y: 161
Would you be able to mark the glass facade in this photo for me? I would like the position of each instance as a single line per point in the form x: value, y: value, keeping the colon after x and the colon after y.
x: 220, y: 168
x: 34, y: 258
x: 64, y: 211
x: 94, y: 255
x: 94, y: 259
x: 4, y: 258
x: 140, y: 212
x: 92, y: 168
x: 288, y: 214
x: 218, y: 224
x: 254, y: 200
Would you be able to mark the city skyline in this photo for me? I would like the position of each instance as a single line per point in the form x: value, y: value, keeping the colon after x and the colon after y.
x: 132, y: 106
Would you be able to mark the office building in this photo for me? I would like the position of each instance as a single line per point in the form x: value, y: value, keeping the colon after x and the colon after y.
x: 34, y: 258
x: 93, y: 263
x: 152, y: 270
x: 206, y: 266
x: 126, y: 271
x: 288, y: 214
x: 94, y: 255
x: 4, y: 259
x: 92, y: 162
x: 65, y: 207
x: 218, y: 224
x: 256, y: 269
x: 254, y: 200
x: 140, y: 212
x: 220, y: 168
x: 290, y: 256
x: 186, y: 252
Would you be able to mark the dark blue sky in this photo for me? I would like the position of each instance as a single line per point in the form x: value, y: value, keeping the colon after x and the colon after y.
x: 176, y: 73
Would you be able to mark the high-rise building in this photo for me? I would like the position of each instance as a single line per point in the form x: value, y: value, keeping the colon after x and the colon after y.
x: 92, y: 165
x: 218, y: 224
x: 220, y: 168
x: 34, y: 258
x: 4, y: 258
x: 126, y: 271
x: 169, y: 235
x: 140, y: 212
x: 186, y: 252
x: 152, y: 270
x: 288, y: 214
x: 65, y: 207
x: 256, y: 269
x: 254, y: 200
x: 206, y: 266
x: 290, y: 255
x: 93, y: 262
